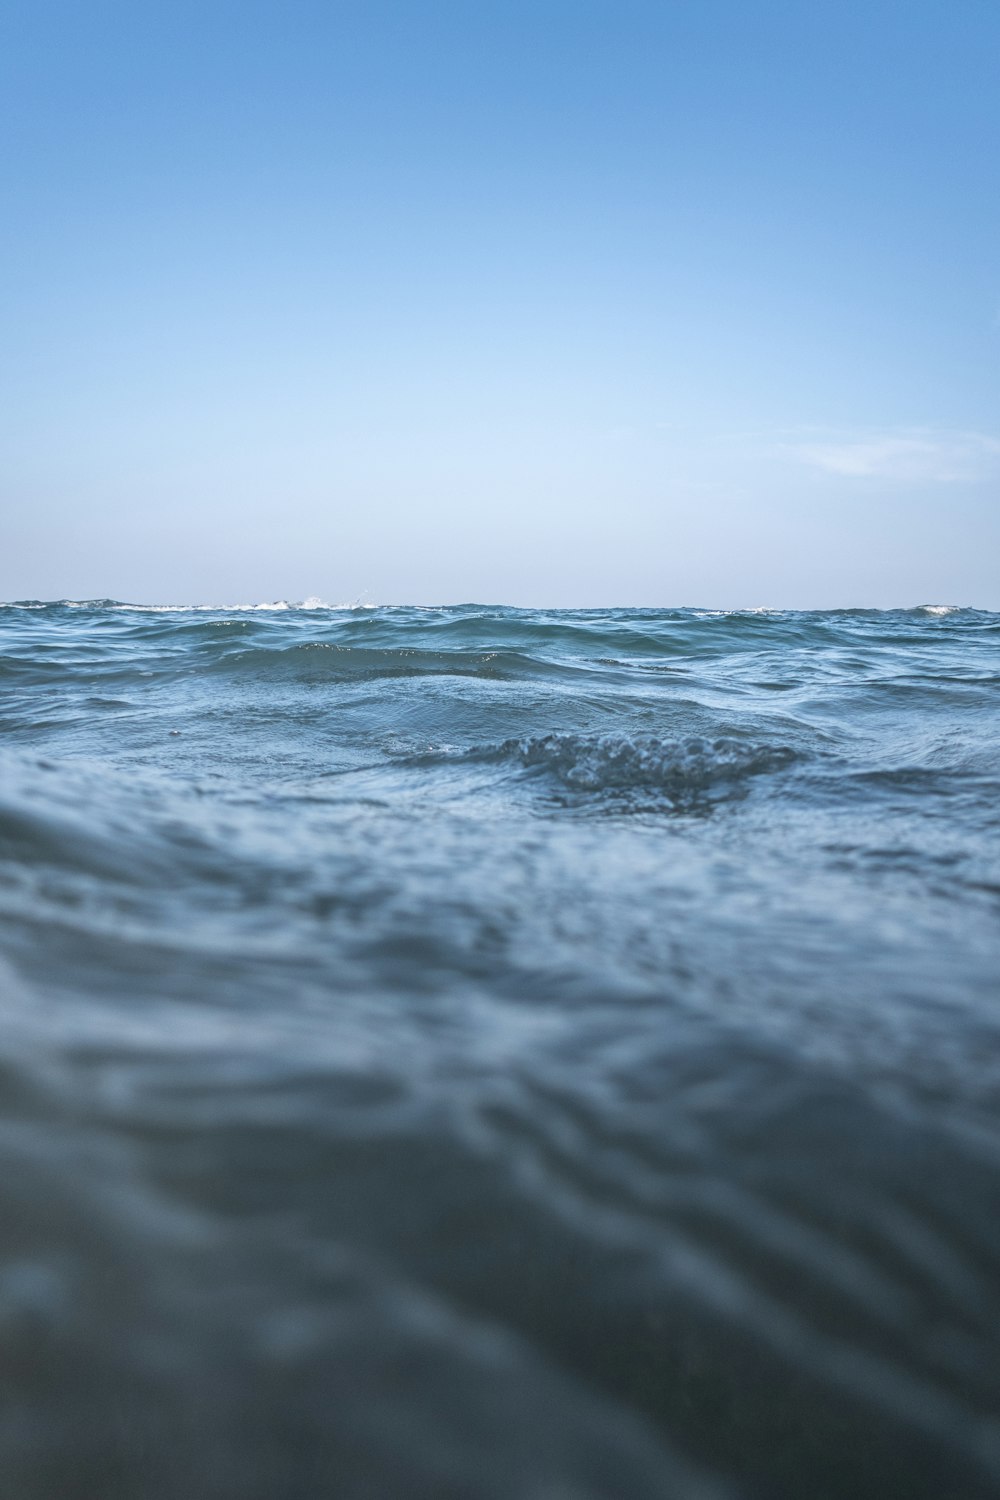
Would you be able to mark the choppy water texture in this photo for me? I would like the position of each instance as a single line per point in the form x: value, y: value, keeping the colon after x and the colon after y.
x: 489, y: 1053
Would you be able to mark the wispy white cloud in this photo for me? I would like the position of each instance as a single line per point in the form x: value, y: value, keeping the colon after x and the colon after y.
x: 921, y: 455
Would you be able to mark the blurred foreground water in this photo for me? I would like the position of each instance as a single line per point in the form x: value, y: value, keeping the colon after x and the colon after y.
x: 499, y: 1055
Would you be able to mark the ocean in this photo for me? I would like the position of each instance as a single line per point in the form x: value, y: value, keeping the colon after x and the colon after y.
x: 499, y: 1054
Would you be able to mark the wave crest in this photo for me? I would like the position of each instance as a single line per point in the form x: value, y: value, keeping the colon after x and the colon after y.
x: 614, y: 762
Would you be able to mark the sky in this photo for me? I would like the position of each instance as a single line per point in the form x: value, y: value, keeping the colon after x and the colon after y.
x: 560, y: 303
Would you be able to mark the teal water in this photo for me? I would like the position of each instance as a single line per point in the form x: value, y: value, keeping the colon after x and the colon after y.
x: 481, y: 1052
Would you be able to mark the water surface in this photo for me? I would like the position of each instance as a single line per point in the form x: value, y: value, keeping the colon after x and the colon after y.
x: 482, y: 1052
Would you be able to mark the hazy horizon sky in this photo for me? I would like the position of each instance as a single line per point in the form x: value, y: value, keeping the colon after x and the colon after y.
x: 555, y: 304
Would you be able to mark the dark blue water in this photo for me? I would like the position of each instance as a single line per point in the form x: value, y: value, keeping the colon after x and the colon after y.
x: 494, y: 1053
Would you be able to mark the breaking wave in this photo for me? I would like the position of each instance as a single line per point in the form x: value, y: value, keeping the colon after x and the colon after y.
x: 681, y: 768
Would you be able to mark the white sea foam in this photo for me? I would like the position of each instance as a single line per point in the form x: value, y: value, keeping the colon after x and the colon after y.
x: 275, y: 606
x: 939, y: 609
x: 718, y: 614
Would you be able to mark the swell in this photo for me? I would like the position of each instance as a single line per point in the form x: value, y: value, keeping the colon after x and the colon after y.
x: 332, y: 661
x: 633, y: 632
x: 133, y: 829
x: 108, y: 648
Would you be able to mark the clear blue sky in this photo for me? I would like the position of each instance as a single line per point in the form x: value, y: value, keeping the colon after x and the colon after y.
x: 553, y: 303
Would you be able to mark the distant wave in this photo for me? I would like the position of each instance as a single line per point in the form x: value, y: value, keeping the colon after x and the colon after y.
x: 316, y: 602
x: 274, y: 606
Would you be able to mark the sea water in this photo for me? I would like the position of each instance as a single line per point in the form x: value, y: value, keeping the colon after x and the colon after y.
x: 493, y: 1054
